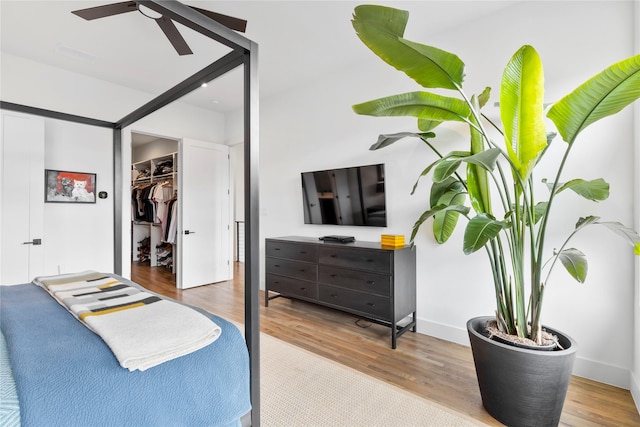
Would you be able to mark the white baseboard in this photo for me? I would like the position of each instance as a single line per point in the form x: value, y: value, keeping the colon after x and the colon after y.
x: 635, y: 390
x: 601, y: 372
x: 586, y: 368
x: 442, y: 331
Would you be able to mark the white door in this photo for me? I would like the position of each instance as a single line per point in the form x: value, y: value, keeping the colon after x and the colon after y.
x: 205, y: 244
x: 22, y: 199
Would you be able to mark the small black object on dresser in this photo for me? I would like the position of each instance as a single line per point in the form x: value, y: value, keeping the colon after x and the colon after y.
x: 362, y: 278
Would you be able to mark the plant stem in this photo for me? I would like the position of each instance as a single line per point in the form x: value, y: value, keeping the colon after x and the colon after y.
x: 537, y: 273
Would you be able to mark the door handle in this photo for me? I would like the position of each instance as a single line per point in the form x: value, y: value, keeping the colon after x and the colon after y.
x: 189, y: 232
x: 34, y: 242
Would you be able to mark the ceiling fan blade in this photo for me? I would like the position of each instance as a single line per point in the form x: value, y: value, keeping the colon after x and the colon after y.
x: 236, y: 24
x: 106, y: 10
x: 174, y: 36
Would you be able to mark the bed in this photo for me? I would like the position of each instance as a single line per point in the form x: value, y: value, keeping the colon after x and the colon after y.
x: 56, y: 371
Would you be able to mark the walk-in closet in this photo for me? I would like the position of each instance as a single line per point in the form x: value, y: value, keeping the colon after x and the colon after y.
x: 154, y: 196
x: 181, y: 212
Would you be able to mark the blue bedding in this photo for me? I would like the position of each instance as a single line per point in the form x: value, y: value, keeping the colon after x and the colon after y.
x: 66, y: 375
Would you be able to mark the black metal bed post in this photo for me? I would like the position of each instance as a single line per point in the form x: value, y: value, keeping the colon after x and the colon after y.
x: 249, y: 51
x: 118, y: 170
x: 251, y: 230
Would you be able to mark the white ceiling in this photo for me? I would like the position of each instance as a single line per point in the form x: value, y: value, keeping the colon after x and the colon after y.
x: 299, y: 41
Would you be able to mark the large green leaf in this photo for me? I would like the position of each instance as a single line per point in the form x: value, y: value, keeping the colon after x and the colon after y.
x: 438, y: 189
x: 595, y: 190
x: 575, y: 262
x: 521, y: 109
x: 453, y: 154
x: 625, y: 232
x: 480, y: 230
x: 447, y: 165
x: 603, y: 95
x: 539, y: 211
x: 382, y: 28
x: 477, y: 181
x: 426, y: 125
x: 423, y: 105
x: 484, y: 96
x: 486, y: 159
x: 444, y: 223
x: 445, y: 168
x: 588, y: 220
x: 388, y: 139
x: 433, y: 211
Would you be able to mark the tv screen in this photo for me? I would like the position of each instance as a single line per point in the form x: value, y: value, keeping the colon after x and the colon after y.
x: 345, y: 196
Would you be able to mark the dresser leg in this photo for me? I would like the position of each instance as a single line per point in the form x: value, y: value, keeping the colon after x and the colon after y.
x: 394, y: 336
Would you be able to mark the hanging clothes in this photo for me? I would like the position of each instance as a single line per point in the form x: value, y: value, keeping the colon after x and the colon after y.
x: 172, y: 222
x: 148, y: 201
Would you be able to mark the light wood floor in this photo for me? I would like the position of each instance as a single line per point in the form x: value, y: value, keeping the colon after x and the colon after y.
x: 432, y: 368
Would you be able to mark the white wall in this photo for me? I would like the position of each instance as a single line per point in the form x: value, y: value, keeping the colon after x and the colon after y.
x: 316, y: 129
x: 79, y: 236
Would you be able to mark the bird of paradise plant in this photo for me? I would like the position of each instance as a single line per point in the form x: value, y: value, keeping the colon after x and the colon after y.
x: 504, y: 218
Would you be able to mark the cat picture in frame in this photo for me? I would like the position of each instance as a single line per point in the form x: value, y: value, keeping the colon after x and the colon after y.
x: 69, y: 187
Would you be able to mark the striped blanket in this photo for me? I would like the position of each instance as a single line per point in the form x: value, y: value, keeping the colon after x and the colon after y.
x: 142, y: 329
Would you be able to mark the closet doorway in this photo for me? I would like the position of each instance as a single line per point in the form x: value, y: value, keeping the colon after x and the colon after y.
x: 154, y: 191
x: 181, y: 210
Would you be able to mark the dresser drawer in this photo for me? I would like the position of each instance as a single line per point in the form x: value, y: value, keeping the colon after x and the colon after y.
x: 378, y: 261
x: 295, y: 269
x: 375, y: 306
x: 292, y: 287
x: 357, y: 280
x: 296, y: 251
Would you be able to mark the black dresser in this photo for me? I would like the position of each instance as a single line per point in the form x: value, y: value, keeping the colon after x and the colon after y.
x: 362, y: 278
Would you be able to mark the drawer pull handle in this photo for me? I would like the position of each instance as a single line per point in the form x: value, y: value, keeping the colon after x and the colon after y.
x: 370, y: 282
x: 369, y: 260
x: 333, y: 275
x: 302, y: 270
x: 302, y: 289
x: 277, y: 249
x: 370, y: 304
x: 276, y: 282
x: 333, y: 256
x: 276, y: 265
x: 334, y: 296
x: 303, y: 252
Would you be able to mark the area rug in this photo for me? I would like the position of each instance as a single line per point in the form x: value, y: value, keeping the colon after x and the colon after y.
x: 301, y: 389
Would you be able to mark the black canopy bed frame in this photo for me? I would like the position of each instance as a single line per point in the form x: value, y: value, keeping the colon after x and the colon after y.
x: 244, y: 52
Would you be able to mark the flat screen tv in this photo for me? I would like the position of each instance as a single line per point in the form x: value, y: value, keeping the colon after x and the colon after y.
x: 345, y: 196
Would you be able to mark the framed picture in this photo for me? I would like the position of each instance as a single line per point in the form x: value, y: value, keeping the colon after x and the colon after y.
x: 69, y: 187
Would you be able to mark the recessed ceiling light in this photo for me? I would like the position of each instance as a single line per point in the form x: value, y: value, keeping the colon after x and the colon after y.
x: 203, y: 85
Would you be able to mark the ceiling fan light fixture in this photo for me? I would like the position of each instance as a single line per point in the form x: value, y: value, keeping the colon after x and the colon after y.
x: 148, y: 12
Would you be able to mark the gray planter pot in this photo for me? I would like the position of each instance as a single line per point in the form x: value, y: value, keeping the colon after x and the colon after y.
x: 521, y: 387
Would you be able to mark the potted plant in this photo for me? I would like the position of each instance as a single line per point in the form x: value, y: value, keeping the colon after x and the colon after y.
x: 496, y: 174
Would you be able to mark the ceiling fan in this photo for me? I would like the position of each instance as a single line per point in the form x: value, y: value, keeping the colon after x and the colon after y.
x: 165, y: 24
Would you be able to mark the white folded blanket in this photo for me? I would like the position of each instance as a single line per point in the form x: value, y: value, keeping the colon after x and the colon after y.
x: 141, y: 328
